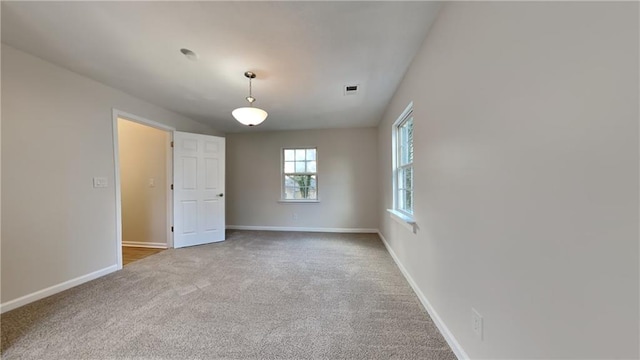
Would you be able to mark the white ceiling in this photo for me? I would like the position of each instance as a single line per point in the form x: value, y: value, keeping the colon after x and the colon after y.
x: 304, y: 53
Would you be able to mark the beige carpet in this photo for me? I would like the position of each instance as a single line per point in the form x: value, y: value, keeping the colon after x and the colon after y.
x: 258, y: 295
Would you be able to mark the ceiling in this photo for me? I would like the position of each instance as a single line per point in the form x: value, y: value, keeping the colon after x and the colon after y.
x: 303, y: 53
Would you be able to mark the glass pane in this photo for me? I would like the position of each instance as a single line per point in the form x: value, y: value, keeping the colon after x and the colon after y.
x: 300, y: 154
x: 311, y: 166
x: 408, y: 178
x: 311, y: 154
x: 289, y: 181
x: 405, y: 142
x: 404, y: 158
x: 400, y: 199
x: 300, y: 167
x: 288, y: 167
x: 313, y: 194
x: 313, y: 183
x: 401, y: 178
x: 289, y: 155
x: 410, y: 139
x: 408, y: 195
x: 289, y: 192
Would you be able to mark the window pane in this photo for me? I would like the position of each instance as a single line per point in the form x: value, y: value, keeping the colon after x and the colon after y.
x: 408, y: 178
x: 311, y: 154
x: 289, y: 181
x: 311, y: 166
x: 400, y: 179
x: 288, y: 155
x: 300, y: 167
x: 289, y: 192
x: 408, y: 195
x: 404, y: 157
x: 300, y: 154
x: 289, y: 167
x: 410, y: 139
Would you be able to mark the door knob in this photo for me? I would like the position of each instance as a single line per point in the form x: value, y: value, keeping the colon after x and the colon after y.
x: 220, y: 195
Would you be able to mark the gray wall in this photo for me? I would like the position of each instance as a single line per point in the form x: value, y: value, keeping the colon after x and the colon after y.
x: 526, y: 173
x: 347, y: 164
x: 56, y: 136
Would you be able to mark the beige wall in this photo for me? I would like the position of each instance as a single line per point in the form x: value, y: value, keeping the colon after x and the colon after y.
x: 526, y: 173
x: 143, y: 182
x: 346, y: 179
x: 57, y: 134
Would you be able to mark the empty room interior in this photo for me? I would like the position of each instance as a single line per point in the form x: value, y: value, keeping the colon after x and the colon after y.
x: 320, y: 180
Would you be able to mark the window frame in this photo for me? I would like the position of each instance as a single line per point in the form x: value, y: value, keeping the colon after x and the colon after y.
x: 283, y: 176
x: 405, y: 116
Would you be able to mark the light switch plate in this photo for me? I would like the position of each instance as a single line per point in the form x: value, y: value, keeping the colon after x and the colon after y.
x: 100, y: 182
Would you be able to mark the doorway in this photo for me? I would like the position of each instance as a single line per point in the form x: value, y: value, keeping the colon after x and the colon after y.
x: 143, y: 187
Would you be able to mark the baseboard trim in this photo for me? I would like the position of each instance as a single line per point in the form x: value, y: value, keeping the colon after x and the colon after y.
x: 444, y: 330
x: 303, y: 229
x: 144, y: 244
x: 41, y: 294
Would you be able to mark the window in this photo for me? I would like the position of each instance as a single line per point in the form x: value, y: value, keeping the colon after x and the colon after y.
x: 300, y: 174
x: 403, y: 162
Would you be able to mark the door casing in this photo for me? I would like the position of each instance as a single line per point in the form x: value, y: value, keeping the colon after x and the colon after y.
x: 169, y: 176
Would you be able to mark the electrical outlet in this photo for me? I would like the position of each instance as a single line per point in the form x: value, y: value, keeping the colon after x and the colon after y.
x: 476, y: 323
x: 295, y: 216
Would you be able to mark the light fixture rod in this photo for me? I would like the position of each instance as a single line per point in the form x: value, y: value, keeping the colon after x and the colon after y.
x: 250, y: 98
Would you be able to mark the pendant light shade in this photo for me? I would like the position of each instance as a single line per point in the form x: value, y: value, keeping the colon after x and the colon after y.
x: 250, y: 116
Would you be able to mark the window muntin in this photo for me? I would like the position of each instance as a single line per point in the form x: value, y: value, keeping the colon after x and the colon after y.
x: 403, y: 184
x: 300, y: 174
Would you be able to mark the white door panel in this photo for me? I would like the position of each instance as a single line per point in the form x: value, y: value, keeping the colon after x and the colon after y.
x: 199, y: 206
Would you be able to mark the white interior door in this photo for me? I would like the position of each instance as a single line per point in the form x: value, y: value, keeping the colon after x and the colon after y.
x: 198, y: 191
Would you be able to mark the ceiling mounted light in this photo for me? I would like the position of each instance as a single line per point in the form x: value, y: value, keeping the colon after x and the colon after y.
x: 250, y: 116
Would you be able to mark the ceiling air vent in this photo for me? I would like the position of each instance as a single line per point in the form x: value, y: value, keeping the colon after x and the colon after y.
x: 351, y: 89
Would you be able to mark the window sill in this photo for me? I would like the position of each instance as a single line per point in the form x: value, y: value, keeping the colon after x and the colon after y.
x: 299, y: 201
x: 405, y: 220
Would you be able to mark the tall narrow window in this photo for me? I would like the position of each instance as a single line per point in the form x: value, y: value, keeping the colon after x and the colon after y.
x: 300, y: 174
x: 403, y: 164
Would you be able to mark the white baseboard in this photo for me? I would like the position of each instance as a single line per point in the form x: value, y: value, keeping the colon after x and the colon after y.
x: 41, y: 294
x: 303, y: 229
x: 145, y: 244
x: 448, y: 336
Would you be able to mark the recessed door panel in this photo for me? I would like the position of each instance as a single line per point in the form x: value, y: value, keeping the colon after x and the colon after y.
x: 189, y: 173
x: 189, y: 217
x: 211, y: 177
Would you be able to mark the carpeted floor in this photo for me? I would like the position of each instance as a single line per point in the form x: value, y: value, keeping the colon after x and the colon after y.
x: 258, y: 295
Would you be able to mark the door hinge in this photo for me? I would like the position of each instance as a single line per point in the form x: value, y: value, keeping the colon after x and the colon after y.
x: 172, y: 144
x: 171, y: 186
x: 172, y: 229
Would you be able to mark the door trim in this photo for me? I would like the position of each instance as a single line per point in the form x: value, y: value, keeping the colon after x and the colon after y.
x: 116, y: 157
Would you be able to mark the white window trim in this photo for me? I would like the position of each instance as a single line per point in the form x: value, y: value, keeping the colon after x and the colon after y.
x: 401, y: 216
x: 282, y: 200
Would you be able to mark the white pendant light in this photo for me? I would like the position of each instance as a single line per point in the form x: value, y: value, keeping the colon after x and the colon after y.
x: 250, y: 116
